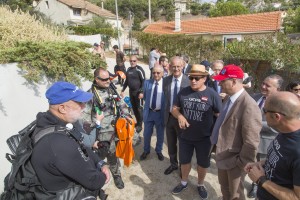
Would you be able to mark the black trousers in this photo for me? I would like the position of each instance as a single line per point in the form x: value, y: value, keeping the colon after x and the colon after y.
x: 136, y: 107
x: 172, y: 132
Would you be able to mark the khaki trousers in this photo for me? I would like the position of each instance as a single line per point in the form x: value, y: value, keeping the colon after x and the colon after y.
x: 232, y: 183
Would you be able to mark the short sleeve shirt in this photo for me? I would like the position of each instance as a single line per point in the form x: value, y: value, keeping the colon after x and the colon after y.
x: 198, y: 107
x: 282, y: 165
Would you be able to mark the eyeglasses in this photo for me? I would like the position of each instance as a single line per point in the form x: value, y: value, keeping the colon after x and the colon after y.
x: 102, y: 79
x: 132, y: 60
x: 270, y: 111
x: 155, y: 72
x: 176, y: 67
x: 197, y: 78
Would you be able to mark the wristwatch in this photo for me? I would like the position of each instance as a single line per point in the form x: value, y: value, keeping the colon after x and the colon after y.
x: 261, y: 180
x: 100, y: 164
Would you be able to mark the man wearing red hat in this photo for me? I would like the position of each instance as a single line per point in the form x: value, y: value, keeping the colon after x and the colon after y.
x: 235, y: 133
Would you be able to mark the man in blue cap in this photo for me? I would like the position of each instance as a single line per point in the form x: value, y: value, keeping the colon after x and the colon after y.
x: 59, y: 158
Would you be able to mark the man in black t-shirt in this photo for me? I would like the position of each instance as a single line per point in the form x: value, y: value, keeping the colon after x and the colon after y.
x: 194, y: 108
x: 278, y: 176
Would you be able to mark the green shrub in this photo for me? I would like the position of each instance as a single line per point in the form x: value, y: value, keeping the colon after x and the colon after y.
x: 68, y: 60
x: 19, y: 26
x: 196, y: 47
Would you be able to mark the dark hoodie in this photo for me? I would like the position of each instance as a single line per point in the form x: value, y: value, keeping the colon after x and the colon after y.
x: 58, y: 159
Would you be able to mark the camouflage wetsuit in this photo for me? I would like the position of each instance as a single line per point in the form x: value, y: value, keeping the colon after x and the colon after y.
x: 106, y: 134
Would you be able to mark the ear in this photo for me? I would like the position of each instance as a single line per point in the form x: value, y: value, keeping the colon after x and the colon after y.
x: 61, y: 108
x: 277, y: 116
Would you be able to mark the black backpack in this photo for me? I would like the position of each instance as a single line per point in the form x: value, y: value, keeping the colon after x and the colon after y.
x: 22, y: 181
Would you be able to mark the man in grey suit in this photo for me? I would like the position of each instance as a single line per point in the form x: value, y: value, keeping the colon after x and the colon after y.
x: 238, y: 127
x: 269, y: 86
x: 170, y: 92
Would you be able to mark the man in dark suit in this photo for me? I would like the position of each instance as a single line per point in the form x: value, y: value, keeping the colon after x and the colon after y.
x: 237, y: 127
x: 153, y: 113
x: 170, y: 91
x: 217, y: 66
x: 187, y: 67
x: 269, y: 86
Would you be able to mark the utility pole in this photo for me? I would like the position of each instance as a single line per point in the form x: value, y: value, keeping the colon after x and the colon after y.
x: 149, y: 2
x: 117, y: 14
x: 130, y: 31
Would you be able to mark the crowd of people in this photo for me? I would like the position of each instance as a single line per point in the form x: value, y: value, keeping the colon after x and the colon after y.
x: 202, y: 108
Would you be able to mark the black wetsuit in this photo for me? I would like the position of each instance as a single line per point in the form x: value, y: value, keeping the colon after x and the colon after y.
x: 135, y: 77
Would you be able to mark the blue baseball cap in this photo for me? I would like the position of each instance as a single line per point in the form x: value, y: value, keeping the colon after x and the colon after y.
x: 61, y: 92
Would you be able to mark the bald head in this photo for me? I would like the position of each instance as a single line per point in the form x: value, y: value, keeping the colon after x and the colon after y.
x: 286, y: 103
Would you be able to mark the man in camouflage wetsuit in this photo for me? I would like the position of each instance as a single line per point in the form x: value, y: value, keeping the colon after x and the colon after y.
x: 105, y: 101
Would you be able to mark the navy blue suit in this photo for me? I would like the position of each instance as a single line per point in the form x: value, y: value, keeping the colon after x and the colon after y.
x: 152, y: 118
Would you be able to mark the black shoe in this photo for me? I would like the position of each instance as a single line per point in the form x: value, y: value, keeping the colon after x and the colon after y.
x: 118, y: 182
x: 252, y: 192
x: 138, y: 129
x: 179, y: 188
x: 102, y: 195
x: 170, y: 169
x: 160, y: 156
x: 202, y: 192
x: 144, y: 156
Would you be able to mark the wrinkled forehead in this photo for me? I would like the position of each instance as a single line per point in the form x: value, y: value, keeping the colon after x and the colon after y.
x: 177, y: 62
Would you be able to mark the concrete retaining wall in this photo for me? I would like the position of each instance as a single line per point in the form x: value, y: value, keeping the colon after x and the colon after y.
x: 20, y: 101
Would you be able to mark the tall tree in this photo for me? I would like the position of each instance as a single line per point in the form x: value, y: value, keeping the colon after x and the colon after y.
x: 228, y: 8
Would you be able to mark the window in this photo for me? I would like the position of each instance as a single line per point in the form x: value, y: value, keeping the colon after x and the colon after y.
x: 47, y: 4
x: 231, y: 38
x: 76, y: 11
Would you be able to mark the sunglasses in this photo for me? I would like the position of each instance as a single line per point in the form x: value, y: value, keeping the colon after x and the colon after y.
x: 270, y: 111
x: 296, y: 89
x: 155, y: 72
x: 197, y: 78
x: 132, y: 60
x: 102, y: 79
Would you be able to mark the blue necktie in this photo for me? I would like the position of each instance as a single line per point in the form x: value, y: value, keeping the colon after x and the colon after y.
x: 154, y: 96
x: 215, y: 133
x: 262, y: 102
x: 175, y: 90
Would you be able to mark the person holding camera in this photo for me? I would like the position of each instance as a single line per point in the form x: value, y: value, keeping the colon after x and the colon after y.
x: 106, y: 105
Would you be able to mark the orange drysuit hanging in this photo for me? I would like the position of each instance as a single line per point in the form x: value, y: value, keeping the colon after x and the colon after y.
x: 125, y: 132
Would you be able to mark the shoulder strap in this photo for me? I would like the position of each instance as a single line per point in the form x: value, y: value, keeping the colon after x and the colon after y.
x: 39, y: 134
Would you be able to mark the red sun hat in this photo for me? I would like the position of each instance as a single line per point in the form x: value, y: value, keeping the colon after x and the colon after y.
x: 229, y: 71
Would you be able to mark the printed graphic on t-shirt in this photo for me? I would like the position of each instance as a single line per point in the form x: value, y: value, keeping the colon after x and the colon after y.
x: 273, y: 157
x: 194, y: 109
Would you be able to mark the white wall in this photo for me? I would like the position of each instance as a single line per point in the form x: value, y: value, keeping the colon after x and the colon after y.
x: 57, y: 12
x: 90, y: 39
x: 20, y: 101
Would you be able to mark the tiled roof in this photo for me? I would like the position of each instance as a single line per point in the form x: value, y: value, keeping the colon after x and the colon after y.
x: 88, y: 6
x: 250, y: 23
